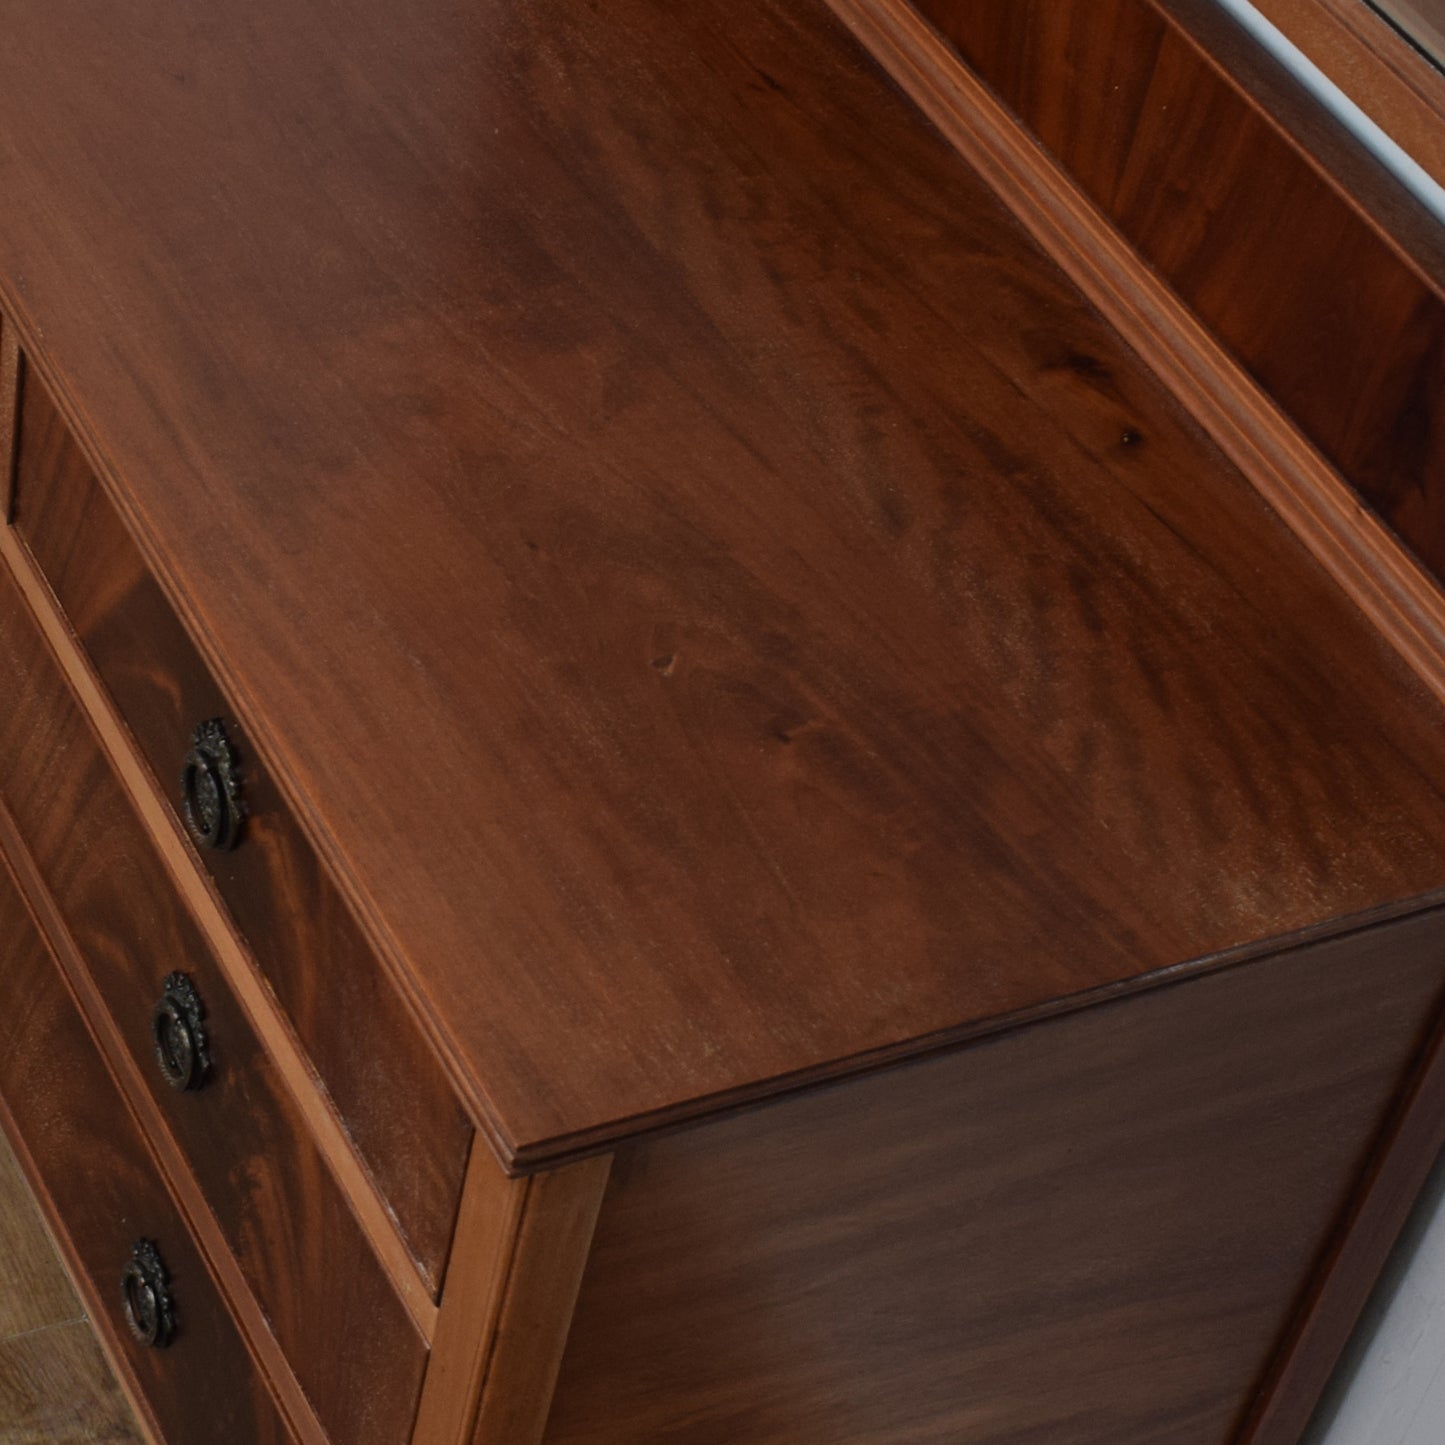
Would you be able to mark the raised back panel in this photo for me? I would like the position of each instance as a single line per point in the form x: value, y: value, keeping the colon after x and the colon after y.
x: 1317, y: 272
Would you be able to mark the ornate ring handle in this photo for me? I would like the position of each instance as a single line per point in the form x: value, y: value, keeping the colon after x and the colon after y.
x: 145, y: 1294
x: 179, y: 1030
x: 211, y: 788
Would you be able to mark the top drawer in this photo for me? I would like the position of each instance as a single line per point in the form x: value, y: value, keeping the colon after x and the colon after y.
x: 385, y: 1081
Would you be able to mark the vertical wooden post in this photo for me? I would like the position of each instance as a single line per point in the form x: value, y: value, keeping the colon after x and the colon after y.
x: 521, y: 1246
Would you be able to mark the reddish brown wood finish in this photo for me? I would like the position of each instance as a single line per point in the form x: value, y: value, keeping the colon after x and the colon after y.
x: 387, y: 1085
x: 1381, y: 71
x: 9, y: 396
x: 102, y: 1191
x: 185, y: 1191
x: 1354, y: 545
x: 481, y: 1260
x: 1089, y: 1231
x: 730, y: 610
x: 1330, y: 288
x: 727, y: 613
x: 286, y: 1221
x: 1422, y: 20
x: 552, y: 1247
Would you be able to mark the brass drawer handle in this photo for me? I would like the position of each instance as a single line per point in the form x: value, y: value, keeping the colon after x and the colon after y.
x: 179, y: 1031
x: 145, y: 1291
x: 211, y: 788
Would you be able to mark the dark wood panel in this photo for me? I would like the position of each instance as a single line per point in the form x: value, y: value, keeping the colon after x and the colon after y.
x: 387, y: 1085
x: 732, y: 607
x: 1190, y: 142
x: 1089, y: 1231
x: 100, y: 1183
x: 290, y: 1227
x: 1295, y: 480
x: 551, y: 1251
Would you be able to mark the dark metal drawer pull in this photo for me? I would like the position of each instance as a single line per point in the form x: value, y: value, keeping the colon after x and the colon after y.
x: 211, y: 788
x: 145, y: 1291
x: 179, y: 1030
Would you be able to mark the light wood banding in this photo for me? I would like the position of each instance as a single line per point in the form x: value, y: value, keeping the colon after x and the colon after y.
x: 481, y: 1258
x: 552, y: 1248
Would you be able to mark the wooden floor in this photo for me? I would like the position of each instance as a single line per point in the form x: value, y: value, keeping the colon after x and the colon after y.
x: 55, y: 1387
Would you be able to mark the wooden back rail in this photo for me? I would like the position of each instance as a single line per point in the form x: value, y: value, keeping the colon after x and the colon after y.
x: 1290, y: 293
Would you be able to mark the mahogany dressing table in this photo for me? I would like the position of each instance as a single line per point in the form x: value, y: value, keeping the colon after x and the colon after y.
x: 698, y: 741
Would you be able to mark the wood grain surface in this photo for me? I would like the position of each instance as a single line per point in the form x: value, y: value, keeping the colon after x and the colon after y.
x: 102, y: 1188
x: 521, y: 1247
x: 554, y: 1242
x: 1088, y: 1231
x: 1313, y: 267
x: 1422, y: 20
x: 286, y: 1221
x: 481, y: 1260
x: 730, y: 609
x: 155, y: 808
x: 387, y: 1086
x: 1382, y: 72
x: 246, y: 1313
x: 1355, y: 546
x: 9, y: 397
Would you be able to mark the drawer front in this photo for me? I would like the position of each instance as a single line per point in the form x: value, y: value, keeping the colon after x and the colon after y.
x: 103, y: 1192
x: 283, y: 1214
x: 385, y: 1081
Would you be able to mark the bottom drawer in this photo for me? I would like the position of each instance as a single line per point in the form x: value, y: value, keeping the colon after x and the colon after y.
x: 103, y: 1193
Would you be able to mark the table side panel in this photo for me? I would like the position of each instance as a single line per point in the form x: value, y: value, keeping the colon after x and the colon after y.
x: 1093, y: 1230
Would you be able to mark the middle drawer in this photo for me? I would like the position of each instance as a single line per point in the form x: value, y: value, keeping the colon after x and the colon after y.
x: 286, y: 1219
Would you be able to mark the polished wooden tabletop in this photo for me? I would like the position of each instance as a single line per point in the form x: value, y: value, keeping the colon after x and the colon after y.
x: 731, y: 609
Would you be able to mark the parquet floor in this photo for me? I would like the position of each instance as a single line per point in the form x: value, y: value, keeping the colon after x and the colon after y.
x: 55, y: 1387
